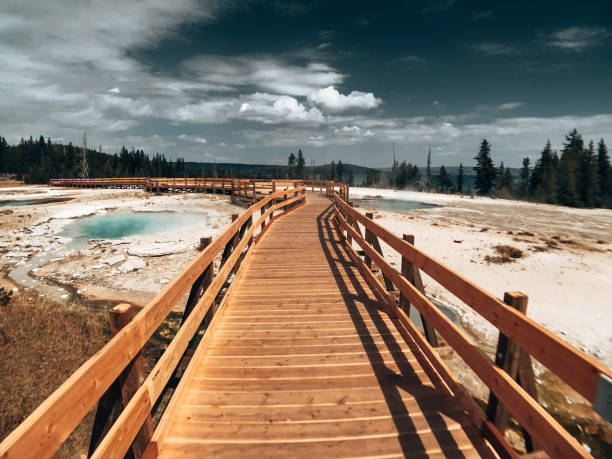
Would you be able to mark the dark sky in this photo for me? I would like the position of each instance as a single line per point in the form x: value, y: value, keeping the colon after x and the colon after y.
x: 253, y: 81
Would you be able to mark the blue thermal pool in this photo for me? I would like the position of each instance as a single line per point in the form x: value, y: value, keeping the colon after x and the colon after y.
x: 118, y: 225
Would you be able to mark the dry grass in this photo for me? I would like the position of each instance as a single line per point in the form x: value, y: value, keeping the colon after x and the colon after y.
x: 41, y: 344
x: 504, y: 254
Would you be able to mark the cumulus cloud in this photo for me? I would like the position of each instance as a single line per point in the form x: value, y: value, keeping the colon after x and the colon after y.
x: 331, y: 99
x: 577, y: 38
x: 269, y: 108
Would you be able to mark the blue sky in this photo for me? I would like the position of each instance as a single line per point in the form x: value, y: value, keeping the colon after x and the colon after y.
x: 252, y: 81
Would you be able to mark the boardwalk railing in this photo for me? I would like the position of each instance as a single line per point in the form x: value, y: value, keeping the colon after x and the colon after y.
x: 582, y: 373
x: 49, y: 425
x: 252, y: 189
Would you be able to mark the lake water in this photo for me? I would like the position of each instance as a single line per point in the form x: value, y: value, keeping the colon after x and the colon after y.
x: 118, y: 225
x: 391, y: 204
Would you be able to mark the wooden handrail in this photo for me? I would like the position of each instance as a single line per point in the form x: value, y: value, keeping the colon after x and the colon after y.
x: 41, y: 433
x: 542, y: 426
x: 576, y: 368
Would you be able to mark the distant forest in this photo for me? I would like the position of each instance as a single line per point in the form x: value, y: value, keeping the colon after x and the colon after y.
x: 580, y: 176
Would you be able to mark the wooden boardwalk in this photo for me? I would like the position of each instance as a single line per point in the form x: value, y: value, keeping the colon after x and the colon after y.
x: 303, y: 361
x: 310, y: 353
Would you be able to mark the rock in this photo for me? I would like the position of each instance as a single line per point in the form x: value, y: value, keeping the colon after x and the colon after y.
x: 163, y: 281
x: 110, y: 261
x: 17, y: 254
x: 152, y: 250
x: 132, y: 264
x: 98, y: 266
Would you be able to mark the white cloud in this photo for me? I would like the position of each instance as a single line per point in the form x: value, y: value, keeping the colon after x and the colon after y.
x: 331, y: 99
x: 494, y: 49
x: 269, y: 108
x: 510, y: 105
x: 193, y: 139
x: 114, y: 90
x: 262, y: 72
x: 577, y: 38
x: 259, y: 107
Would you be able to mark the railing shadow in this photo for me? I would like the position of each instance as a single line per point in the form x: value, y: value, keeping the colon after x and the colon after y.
x: 390, y: 382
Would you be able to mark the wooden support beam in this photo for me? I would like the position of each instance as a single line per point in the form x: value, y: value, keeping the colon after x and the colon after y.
x: 201, y: 283
x: 108, y: 410
x: 413, y: 275
x: 508, y: 357
x: 372, y: 239
x: 232, y: 243
x: 132, y: 377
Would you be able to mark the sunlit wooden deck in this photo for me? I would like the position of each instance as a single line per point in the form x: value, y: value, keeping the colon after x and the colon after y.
x: 303, y: 361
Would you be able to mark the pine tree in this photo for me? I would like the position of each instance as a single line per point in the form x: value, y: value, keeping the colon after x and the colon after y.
x: 444, y: 182
x: 485, y: 170
x: 569, y: 186
x: 460, y: 179
x: 500, y: 173
x: 291, y: 162
x: 339, y: 172
x: 524, y: 184
x: 604, y: 173
x: 507, y: 180
x: 301, y: 162
x: 589, y: 177
x: 544, y: 179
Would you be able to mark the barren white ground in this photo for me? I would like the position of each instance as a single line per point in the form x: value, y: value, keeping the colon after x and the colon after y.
x: 133, y: 268
x: 566, y: 267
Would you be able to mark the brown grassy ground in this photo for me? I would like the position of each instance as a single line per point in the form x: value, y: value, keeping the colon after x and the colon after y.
x: 41, y: 344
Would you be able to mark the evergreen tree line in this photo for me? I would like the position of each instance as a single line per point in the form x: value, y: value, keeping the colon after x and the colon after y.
x: 338, y: 172
x: 580, y: 177
x: 37, y: 161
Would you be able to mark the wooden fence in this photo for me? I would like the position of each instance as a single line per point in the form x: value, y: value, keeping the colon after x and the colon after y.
x: 252, y: 189
x: 43, y: 431
x: 510, y: 377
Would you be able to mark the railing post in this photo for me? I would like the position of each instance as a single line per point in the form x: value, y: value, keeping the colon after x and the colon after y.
x: 201, y: 283
x: 413, y: 275
x: 517, y: 363
x: 368, y: 238
x: 254, y: 197
x: 372, y: 239
x: 231, y: 244
x: 128, y: 382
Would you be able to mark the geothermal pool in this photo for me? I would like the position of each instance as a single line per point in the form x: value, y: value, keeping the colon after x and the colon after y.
x: 118, y: 225
x: 391, y: 204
